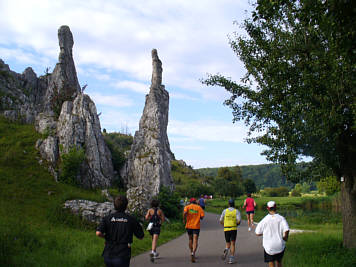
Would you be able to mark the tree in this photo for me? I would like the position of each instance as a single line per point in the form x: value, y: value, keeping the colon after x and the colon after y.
x: 249, y: 186
x: 329, y: 185
x: 299, y: 93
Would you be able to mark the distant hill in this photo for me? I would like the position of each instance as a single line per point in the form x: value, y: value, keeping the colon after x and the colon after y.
x: 264, y: 175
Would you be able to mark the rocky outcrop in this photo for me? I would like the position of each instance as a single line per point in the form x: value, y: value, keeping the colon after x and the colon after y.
x: 61, y: 112
x: 79, y: 126
x: 149, y: 164
x: 90, y: 210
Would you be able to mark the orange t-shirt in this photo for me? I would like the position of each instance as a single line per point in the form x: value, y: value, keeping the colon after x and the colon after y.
x: 194, y: 214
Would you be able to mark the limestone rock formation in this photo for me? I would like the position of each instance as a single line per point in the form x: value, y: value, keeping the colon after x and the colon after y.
x: 61, y: 112
x: 79, y: 126
x: 90, y: 210
x: 149, y: 164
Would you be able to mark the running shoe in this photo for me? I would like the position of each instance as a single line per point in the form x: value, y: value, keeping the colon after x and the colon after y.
x: 249, y: 229
x: 152, y: 257
x: 226, y: 251
x: 231, y: 260
x: 192, y: 257
x: 156, y: 255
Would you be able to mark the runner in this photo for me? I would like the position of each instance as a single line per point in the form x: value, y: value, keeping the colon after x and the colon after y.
x: 156, y: 217
x: 202, y: 202
x: 192, y: 215
x: 230, y: 218
x: 250, y: 205
x: 118, y: 229
x: 275, y: 231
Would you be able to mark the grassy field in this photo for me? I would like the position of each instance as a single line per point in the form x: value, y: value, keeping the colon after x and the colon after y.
x: 34, y: 228
x: 320, y: 247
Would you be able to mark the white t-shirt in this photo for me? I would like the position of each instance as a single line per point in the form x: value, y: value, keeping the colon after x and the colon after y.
x: 272, y: 227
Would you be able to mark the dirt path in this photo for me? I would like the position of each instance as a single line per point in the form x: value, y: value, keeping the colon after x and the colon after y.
x: 211, y: 245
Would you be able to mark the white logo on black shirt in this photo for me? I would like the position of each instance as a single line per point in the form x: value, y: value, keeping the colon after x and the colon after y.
x: 113, y: 219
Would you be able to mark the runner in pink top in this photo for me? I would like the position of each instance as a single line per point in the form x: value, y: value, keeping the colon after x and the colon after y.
x: 250, y: 205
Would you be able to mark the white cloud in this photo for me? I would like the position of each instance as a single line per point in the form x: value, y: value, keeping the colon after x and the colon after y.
x: 191, y: 36
x: 111, y: 100
x: 134, y: 86
x: 208, y: 131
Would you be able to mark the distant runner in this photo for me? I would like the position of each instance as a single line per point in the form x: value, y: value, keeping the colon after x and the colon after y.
x: 275, y: 231
x: 250, y: 205
x: 192, y: 215
x: 156, y: 217
x: 202, y: 202
x: 230, y: 218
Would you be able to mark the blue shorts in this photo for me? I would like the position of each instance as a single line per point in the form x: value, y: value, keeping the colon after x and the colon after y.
x: 193, y: 231
x: 250, y: 212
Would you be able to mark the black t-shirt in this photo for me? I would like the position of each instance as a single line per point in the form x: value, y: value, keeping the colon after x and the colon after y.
x: 119, y: 229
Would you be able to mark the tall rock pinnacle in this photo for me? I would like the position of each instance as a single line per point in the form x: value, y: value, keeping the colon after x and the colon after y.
x: 149, y: 163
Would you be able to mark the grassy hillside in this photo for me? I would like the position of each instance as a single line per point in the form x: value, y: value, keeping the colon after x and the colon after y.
x: 264, y: 175
x: 34, y: 228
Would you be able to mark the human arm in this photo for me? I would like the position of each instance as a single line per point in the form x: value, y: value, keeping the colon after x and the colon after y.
x: 259, y: 228
x: 238, y: 217
x: 254, y: 203
x: 148, y: 215
x: 244, y: 204
x: 99, y: 234
x: 161, y: 215
x: 138, y: 230
x: 285, y: 235
x: 202, y: 214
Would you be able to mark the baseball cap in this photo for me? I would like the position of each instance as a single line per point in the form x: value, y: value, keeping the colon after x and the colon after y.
x: 192, y: 200
x: 271, y: 204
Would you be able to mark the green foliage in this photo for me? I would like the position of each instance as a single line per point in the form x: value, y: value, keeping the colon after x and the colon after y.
x: 275, y: 192
x: 264, y: 175
x: 35, y: 230
x: 70, y: 165
x: 299, y: 92
x: 249, y: 186
x: 190, y: 182
x: 169, y: 203
x: 118, y: 144
x: 329, y: 185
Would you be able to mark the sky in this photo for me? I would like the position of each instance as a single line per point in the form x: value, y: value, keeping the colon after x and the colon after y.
x: 113, y: 40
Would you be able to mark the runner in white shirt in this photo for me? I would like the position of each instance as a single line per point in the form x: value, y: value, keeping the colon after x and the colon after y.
x: 275, y: 231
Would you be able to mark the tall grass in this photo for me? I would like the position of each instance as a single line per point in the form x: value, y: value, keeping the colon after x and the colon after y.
x: 35, y: 230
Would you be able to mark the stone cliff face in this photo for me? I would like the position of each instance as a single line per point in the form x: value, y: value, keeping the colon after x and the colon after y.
x: 55, y: 104
x: 149, y: 163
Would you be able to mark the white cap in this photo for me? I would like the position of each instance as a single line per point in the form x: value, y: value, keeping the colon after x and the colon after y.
x: 271, y: 204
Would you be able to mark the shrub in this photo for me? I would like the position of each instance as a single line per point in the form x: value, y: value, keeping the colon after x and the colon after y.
x: 295, y: 193
x: 70, y: 165
x: 169, y: 203
x: 275, y: 192
x: 329, y: 185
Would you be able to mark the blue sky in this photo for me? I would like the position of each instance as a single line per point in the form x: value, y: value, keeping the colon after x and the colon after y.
x: 112, y: 51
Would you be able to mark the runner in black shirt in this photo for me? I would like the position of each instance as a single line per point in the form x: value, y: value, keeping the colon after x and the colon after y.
x: 118, y: 230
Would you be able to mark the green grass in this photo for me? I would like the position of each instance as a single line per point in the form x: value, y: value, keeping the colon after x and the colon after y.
x: 34, y: 228
x: 320, y: 247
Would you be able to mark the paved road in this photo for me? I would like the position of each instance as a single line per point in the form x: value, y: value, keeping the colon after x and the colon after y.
x: 211, y: 245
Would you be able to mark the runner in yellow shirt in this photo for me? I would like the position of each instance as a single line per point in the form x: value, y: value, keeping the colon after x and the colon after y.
x: 192, y: 215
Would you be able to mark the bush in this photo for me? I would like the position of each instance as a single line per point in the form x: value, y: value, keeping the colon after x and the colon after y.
x: 70, y: 165
x: 295, y: 193
x: 275, y: 192
x: 169, y: 203
x: 329, y: 185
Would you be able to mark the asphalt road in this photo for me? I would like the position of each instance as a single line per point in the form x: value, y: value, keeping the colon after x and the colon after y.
x: 176, y: 252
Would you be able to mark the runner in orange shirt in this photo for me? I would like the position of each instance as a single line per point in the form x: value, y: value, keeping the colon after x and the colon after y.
x: 192, y: 215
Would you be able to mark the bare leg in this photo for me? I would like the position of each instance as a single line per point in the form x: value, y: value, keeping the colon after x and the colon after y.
x: 251, y: 219
x: 195, y: 243
x: 271, y: 264
x: 154, y: 242
x: 228, y: 244
x: 279, y: 263
x: 191, y: 243
x: 232, y: 248
x: 248, y: 220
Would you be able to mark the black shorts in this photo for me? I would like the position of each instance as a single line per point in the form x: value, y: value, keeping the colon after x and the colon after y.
x: 250, y: 212
x: 155, y: 230
x: 276, y: 257
x: 230, y: 235
x: 193, y: 231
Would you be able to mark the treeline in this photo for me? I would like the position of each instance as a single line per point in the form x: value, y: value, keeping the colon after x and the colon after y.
x: 264, y: 175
